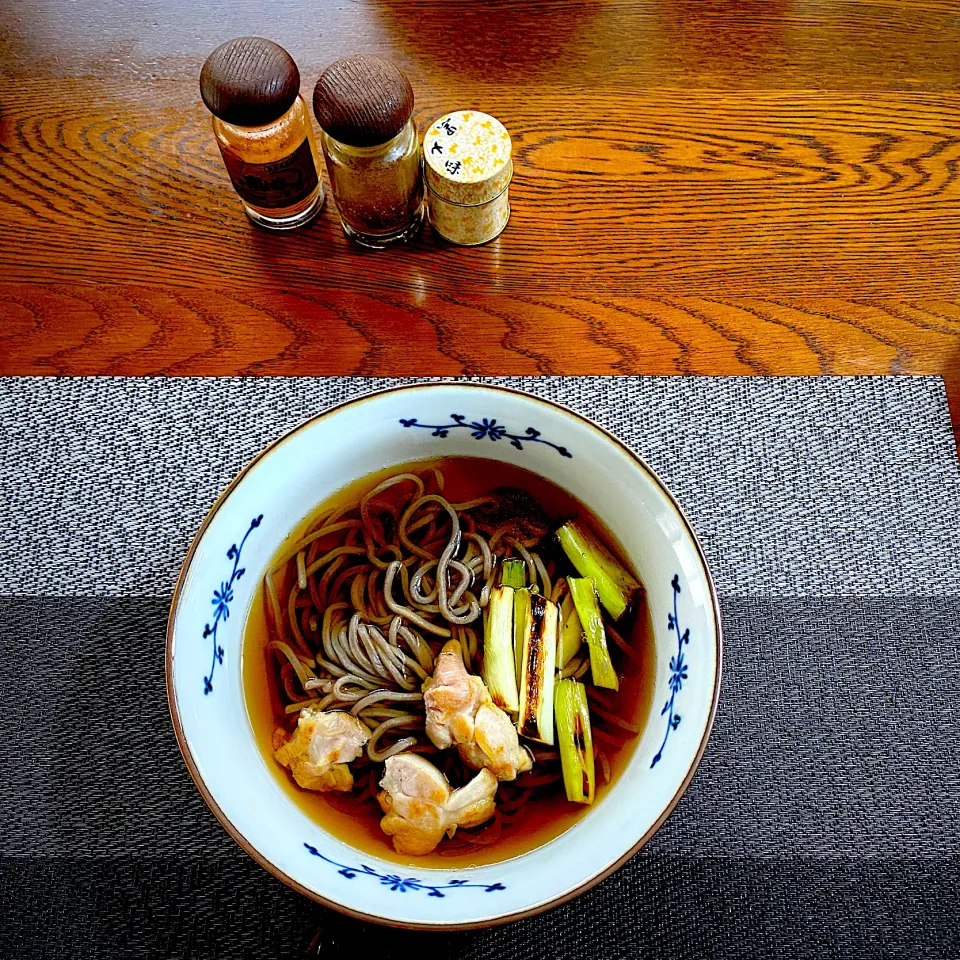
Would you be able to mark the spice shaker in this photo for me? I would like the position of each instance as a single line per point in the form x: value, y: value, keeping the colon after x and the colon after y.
x: 252, y: 88
x: 364, y: 106
x: 468, y: 171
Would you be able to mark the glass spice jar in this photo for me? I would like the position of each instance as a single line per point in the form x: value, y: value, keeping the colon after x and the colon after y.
x: 262, y: 126
x: 364, y: 106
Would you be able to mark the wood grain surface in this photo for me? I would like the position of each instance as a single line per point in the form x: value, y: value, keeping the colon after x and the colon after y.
x: 702, y: 187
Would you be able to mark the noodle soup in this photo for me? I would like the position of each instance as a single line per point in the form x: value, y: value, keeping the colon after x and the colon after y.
x: 502, y: 512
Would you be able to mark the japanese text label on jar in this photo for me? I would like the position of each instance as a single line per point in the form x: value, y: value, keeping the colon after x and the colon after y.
x: 468, y: 169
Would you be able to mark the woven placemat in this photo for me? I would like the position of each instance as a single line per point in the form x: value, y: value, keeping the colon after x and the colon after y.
x: 824, y: 820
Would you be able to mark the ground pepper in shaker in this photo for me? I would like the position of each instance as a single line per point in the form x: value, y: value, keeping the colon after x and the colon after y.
x: 252, y: 88
x: 468, y: 171
x: 364, y: 106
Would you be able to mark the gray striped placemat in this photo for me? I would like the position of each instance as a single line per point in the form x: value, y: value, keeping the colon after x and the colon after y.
x: 823, y: 820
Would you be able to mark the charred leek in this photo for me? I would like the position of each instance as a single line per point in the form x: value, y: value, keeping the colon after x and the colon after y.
x: 538, y: 669
x: 521, y: 614
x: 615, y: 585
x: 584, y: 593
x: 575, y: 741
x: 499, y: 666
x: 500, y: 669
x: 514, y: 574
x: 571, y: 632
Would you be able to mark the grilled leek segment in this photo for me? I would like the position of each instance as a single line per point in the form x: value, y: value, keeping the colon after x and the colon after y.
x: 499, y: 662
x: 521, y: 614
x: 584, y: 593
x: 514, y: 574
x: 575, y: 741
x: 616, y: 587
x: 538, y: 669
x: 571, y: 632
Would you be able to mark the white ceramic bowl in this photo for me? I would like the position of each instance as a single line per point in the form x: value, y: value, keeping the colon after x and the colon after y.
x: 274, y: 492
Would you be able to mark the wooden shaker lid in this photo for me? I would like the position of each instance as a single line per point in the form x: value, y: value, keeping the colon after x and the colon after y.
x: 249, y: 81
x: 362, y: 100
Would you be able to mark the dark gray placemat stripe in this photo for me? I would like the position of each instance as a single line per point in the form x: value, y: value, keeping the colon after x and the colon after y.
x: 656, y: 907
x: 837, y: 734
x: 797, y: 486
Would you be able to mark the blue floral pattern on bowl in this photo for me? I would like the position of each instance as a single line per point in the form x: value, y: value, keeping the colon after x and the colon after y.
x: 486, y: 428
x: 398, y: 884
x: 678, y: 670
x: 222, y: 598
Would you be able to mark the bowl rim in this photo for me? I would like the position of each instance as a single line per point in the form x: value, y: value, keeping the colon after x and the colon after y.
x: 514, y: 915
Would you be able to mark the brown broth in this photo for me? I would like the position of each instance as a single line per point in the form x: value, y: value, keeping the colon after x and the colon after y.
x: 543, y: 818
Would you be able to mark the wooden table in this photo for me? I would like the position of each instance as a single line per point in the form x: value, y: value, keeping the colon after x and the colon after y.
x: 702, y: 186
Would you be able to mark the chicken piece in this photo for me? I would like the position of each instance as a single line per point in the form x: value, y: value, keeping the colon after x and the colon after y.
x: 496, y: 745
x: 452, y: 697
x: 321, y: 747
x: 461, y: 713
x: 420, y: 807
